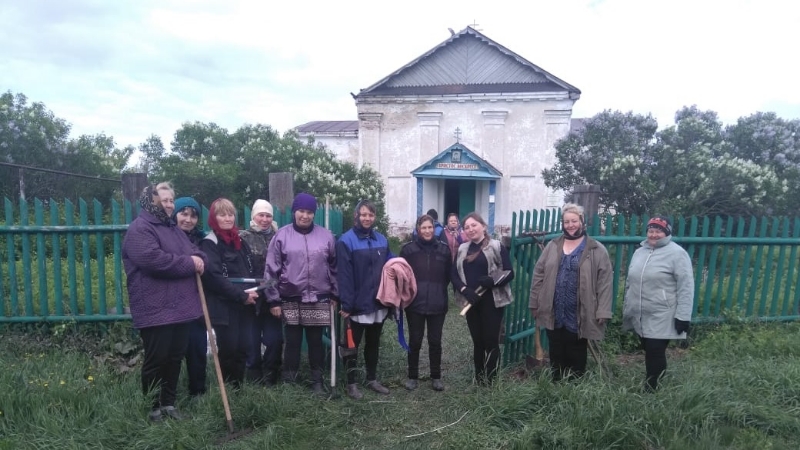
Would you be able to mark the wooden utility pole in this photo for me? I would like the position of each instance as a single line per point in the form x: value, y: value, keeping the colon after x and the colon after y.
x: 281, y: 190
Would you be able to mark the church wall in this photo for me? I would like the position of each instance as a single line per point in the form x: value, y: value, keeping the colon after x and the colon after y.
x: 516, y: 136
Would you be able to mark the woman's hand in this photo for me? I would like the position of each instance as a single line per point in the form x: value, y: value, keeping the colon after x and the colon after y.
x: 486, y: 281
x: 275, y: 311
x: 251, y: 298
x: 199, y: 266
x: 344, y: 314
x: 601, y: 321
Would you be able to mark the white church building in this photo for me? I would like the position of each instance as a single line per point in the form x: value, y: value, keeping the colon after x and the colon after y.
x: 467, y: 126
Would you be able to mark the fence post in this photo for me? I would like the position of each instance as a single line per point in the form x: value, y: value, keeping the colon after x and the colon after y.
x: 132, y: 186
x: 588, y: 196
x: 281, y: 189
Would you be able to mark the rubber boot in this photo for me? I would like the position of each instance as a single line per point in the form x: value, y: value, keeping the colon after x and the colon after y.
x: 316, y: 382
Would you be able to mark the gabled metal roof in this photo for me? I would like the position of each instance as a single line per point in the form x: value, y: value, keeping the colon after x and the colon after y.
x: 470, y: 166
x: 328, y: 126
x: 468, y: 62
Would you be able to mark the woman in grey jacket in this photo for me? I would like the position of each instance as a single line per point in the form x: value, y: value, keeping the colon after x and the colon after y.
x: 659, y: 294
x: 571, y: 293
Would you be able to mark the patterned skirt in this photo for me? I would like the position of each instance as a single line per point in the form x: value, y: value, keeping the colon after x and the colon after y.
x: 317, y: 314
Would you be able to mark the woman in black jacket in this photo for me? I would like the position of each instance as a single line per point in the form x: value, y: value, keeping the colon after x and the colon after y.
x: 431, y: 261
x: 228, y: 257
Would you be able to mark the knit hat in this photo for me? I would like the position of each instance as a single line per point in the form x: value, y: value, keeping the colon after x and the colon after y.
x: 304, y: 201
x: 660, y: 223
x: 186, y: 202
x: 260, y: 206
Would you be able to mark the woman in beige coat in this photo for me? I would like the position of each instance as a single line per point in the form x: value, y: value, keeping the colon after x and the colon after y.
x: 571, y: 294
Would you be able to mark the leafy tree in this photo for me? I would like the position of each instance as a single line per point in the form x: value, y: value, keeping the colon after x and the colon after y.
x: 152, y: 151
x: 613, y: 150
x: 689, y: 168
x: 768, y: 140
x: 207, y: 162
x: 31, y: 135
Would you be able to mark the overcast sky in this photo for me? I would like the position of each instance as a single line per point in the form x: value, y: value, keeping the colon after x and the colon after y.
x: 134, y: 68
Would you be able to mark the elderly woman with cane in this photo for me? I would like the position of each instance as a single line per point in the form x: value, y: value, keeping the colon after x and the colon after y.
x: 228, y: 303
x: 476, y: 284
x: 571, y: 293
x: 659, y: 295
x: 161, y: 263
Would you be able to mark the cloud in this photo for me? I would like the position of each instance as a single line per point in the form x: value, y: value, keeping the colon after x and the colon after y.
x: 131, y: 69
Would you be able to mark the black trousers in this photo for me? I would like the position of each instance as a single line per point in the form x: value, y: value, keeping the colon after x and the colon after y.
x: 316, y: 351
x: 232, y: 342
x: 266, y: 330
x: 567, y: 353
x: 484, y: 321
x: 655, y: 360
x: 196, y: 357
x: 164, y: 349
x: 372, y: 342
x: 416, y: 331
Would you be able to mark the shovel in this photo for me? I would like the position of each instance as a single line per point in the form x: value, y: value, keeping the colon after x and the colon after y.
x: 212, y: 340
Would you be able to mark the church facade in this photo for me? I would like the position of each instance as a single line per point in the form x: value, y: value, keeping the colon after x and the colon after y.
x: 467, y: 126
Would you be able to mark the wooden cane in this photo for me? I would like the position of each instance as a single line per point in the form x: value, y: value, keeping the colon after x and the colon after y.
x: 212, y: 340
x: 334, y: 343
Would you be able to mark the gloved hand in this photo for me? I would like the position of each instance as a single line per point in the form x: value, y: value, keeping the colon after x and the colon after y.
x: 681, y: 325
x: 486, y: 281
x: 471, y: 296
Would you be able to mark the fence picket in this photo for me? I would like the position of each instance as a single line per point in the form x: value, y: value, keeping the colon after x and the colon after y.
x: 41, y: 258
x: 792, y: 275
x: 58, y: 291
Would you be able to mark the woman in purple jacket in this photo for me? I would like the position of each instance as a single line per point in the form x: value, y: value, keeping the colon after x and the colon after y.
x: 161, y: 264
x: 302, y: 258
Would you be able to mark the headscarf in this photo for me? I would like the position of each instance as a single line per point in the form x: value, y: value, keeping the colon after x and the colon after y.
x: 261, y: 206
x: 154, y: 208
x: 182, y: 203
x: 230, y: 237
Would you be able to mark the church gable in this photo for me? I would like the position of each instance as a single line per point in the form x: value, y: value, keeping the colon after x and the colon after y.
x: 468, y: 62
x: 457, y: 162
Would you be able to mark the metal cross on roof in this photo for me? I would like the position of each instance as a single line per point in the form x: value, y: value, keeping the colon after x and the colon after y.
x: 457, y: 134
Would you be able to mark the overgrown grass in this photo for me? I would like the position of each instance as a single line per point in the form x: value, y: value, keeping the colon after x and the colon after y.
x: 737, y: 386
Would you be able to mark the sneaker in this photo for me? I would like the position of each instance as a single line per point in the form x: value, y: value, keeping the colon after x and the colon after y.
x: 412, y: 384
x: 353, y: 392
x: 155, y: 416
x: 171, y: 412
x: 437, y: 384
x: 377, y: 387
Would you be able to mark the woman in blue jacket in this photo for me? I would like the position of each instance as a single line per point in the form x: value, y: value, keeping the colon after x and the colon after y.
x: 361, y: 253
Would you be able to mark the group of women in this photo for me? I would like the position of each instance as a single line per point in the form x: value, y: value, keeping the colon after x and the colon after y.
x: 571, y: 295
x: 307, y: 275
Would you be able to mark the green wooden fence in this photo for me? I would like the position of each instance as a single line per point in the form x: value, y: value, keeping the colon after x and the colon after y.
x: 62, y: 262
x: 744, y: 267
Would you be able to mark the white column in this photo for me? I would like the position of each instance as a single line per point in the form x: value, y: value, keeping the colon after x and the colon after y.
x: 369, y: 139
x: 428, y: 135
